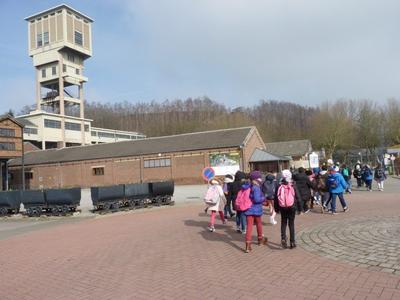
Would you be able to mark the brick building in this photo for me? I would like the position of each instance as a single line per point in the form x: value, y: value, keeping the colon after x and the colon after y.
x: 10, y: 145
x: 179, y: 157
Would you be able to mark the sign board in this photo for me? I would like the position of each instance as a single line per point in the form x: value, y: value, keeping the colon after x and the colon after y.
x: 208, y: 173
x: 225, y: 162
x: 314, y: 161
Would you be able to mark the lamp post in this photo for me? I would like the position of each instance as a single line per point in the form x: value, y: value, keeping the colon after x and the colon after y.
x: 360, y: 153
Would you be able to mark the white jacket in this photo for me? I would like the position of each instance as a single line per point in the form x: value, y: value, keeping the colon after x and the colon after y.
x: 219, y: 206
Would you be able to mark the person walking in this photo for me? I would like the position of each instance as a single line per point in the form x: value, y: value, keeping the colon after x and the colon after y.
x: 322, y: 187
x: 357, y: 173
x: 346, y: 173
x: 228, y: 195
x: 380, y: 177
x: 367, y: 175
x: 269, y: 189
x: 235, y: 187
x: 215, y: 199
x: 255, y: 212
x: 287, y: 200
x: 304, y: 186
x: 337, y: 185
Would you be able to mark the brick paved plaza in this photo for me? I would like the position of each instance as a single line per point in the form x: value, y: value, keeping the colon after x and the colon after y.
x: 166, y: 253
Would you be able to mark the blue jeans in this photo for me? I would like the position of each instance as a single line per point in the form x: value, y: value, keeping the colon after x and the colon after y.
x: 241, y: 221
x: 349, y: 185
x: 341, y: 198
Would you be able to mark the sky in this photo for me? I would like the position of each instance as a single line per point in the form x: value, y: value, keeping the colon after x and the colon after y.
x: 236, y: 52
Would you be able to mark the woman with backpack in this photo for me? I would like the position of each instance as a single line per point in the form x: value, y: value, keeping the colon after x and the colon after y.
x: 215, y: 199
x: 287, y: 200
x: 304, y: 186
x: 255, y: 212
x: 379, y: 176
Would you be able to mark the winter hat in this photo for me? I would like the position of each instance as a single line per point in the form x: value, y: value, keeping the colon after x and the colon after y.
x: 255, y: 175
x: 287, y: 175
x: 214, y: 181
x: 228, y: 178
x: 240, y: 175
x: 337, y: 169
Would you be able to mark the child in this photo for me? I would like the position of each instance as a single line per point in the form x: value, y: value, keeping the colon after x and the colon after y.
x: 228, y: 180
x: 269, y: 188
x: 254, y: 213
x: 215, y: 199
x: 287, y: 200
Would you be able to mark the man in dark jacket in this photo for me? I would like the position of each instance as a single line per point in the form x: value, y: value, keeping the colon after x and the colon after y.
x: 234, y: 188
x: 304, y: 186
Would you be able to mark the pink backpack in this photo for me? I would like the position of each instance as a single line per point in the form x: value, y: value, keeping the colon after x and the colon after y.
x: 212, y: 195
x: 243, y: 201
x: 286, y: 195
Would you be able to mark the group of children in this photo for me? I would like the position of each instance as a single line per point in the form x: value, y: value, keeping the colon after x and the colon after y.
x: 285, y: 193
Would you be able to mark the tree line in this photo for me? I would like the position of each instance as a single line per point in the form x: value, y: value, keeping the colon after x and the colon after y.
x: 338, y: 125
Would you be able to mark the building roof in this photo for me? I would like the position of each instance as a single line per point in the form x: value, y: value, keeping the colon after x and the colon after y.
x: 225, y: 138
x: 262, y: 156
x: 61, y: 6
x: 26, y: 122
x: 290, y: 148
x: 9, y: 117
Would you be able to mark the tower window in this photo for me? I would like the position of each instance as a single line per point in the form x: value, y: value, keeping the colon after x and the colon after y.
x: 46, y: 38
x: 77, y: 71
x: 53, y: 71
x: 43, y: 73
x: 64, y: 68
x: 71, y: 58
x: 78, y: 38
x: 39, y: 40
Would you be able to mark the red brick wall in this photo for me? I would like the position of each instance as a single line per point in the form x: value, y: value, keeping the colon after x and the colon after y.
x: 253, y: 142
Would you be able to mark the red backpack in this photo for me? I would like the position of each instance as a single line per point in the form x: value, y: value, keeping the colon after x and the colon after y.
x: 243, y: 201
x: 286, y: 195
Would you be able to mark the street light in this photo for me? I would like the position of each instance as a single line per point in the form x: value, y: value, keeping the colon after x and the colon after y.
x: 360, y: 153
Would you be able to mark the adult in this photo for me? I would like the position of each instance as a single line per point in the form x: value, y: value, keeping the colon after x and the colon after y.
x: 322, y: 187
x: 380, y: 176
x: 357, y: 173
x: 304, y: 186
x: 255, y: 212
x: 228, y: 195
x: 337, y: 185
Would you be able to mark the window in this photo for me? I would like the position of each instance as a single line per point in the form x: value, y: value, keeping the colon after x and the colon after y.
x: 43, y: 73
x: 157, y: 163
x: 28, y: 175
x: 46, y: 38
x: 30, y: 130
x: 70, y: 57
x: 72, y: 126
x: 97, y: 171
x: 4, y: 146
x: 7, y: 132
x: 86, y: 128
x: 106, y: 134
x: 94, y: 133
x: 77, y: 72
x: 64, y: 68
x: 78, y: 38
x: 39, y: 40
x: 53, y: 71
x: 52, y: 123
x: 122, y: 136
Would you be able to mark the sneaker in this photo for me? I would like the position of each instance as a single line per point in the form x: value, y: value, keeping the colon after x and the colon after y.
x: 307, y: 211
x: 224, y: 222
x: 244, y: 232
x: 284, y: 244
x: 211, y: 228
x: 233, y: 215
x: 238, y: 230
x: 274, y: 222
x: 346, y: 208
x: 292, y: 245
x: 333, y: 213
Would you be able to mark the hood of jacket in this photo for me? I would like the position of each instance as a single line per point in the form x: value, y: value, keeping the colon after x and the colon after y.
x: 240, y: 176
x: 246, y: 186
x: 270, y: 177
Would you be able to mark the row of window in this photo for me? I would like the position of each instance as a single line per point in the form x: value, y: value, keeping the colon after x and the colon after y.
x: 7, y: 132
x: 54, y: 71
x: 7, y: 146
x: 58, y: 12
x: 157, y: 163
x: 43, y: 38
x: 68, y: 125
x: 116, y: 135
x: 28, y: 130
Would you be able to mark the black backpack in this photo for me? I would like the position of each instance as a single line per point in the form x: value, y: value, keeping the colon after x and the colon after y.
x: 379, y: 173
x: 269, y: 189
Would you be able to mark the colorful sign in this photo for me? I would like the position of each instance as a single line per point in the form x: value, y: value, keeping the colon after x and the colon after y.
x: 208, y: 173
x: 225, y: 162
x: 314, y: 161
